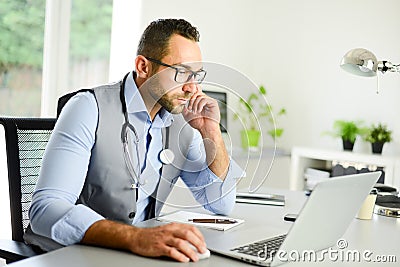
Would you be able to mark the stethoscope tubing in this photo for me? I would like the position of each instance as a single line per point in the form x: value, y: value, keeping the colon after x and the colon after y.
x: 166, y: 155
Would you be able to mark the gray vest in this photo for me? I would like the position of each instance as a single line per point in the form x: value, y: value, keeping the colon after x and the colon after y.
x: 107, y: 188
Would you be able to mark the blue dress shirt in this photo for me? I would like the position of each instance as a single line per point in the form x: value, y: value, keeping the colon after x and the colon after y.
x: 53, y: 211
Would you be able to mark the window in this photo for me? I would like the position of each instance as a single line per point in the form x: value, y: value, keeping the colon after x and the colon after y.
x: 21, y: 56
x: 89, y: 43
x: 21, y: 51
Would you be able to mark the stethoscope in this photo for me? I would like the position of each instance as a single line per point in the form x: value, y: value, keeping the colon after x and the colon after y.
x: 166, y: 156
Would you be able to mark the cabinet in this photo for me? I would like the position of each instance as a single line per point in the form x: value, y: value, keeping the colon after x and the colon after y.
x: 302, y: 158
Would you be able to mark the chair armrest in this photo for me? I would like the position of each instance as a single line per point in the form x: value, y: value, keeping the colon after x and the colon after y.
x: 11, y: 250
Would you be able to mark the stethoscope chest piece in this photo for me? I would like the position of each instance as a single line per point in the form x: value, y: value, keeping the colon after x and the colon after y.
x: 167, y: 156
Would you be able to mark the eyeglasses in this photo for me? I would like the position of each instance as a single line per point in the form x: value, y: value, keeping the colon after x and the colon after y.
x: 182, y: 74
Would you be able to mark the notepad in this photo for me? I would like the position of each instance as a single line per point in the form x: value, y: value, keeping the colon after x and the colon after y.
x: 186, y: 216
x: 264, y: 199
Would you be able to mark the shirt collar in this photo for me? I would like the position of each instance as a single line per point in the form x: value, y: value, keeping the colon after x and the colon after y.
x: 135, y: 103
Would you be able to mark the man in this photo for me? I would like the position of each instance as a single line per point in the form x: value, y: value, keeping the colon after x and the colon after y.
x: 106, y: 166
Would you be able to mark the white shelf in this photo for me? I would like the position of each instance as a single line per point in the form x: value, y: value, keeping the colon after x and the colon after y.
x: 303, y: 157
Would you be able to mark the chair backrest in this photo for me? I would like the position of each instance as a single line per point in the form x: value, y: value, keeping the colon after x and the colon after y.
x: 26, y: 140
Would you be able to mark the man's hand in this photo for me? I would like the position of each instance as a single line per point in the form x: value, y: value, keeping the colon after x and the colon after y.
x: 171, y: 240
x: 202, y: 113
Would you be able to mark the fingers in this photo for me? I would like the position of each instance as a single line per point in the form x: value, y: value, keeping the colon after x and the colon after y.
x: 172, y: 240
x: 187, y: 240
x: 182, y: 249
x: 198, y: 92
x: 200, y: 102
x: 193, y: 236
x: 192, y: 101
x: 177, y: 255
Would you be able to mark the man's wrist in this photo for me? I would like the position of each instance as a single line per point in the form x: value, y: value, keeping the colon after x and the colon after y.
x: 111, y: 234
x: 211, y: 133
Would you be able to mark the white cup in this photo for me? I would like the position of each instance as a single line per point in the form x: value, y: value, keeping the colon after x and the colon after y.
x: 367, y: 208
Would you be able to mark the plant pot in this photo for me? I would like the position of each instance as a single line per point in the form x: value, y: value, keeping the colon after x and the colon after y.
x: 250, y: 138
x: 348, y: 145
x: 377, y: 147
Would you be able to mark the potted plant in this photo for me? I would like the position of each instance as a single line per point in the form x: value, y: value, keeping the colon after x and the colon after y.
x: 251, y: 111
x: 347, y: 131
x: 378, y: 136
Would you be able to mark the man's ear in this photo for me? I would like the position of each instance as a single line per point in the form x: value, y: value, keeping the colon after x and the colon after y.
x: 143, y: 67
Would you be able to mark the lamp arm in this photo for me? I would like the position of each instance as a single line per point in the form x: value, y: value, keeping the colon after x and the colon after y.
x: 397, y: 68
x: 384, y: 66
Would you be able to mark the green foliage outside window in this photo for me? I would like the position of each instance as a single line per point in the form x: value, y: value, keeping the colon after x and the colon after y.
x: 22, y: 32
x: 21, y: 48
x: 21, y: 29
x: 90, y: 29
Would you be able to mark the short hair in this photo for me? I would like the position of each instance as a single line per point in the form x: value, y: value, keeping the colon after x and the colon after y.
x: 154, y: 42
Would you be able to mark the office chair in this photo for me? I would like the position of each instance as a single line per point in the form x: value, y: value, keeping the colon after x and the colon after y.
x: 26, y: 139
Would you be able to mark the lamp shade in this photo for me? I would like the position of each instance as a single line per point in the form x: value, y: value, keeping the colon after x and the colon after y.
x: 360, y: 61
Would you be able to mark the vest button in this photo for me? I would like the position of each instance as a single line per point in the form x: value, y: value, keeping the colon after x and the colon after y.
x: 131, y: 215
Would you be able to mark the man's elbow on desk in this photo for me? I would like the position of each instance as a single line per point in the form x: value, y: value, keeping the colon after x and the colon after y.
x: 223, y: 205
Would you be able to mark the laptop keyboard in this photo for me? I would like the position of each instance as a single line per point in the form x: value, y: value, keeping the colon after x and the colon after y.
x: 269, y: 246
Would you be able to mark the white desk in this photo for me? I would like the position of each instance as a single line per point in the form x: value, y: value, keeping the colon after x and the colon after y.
x: 381, y: 235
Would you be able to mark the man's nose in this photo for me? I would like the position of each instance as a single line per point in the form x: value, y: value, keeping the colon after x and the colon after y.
x: 190, y: 87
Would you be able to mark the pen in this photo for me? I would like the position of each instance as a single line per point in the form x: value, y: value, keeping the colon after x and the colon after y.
x: 222, y: 221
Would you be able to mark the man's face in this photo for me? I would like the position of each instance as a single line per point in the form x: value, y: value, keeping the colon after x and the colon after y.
x: 185, y: 55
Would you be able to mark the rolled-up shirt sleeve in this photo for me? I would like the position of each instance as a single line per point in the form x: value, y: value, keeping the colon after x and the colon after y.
x: 53, y: 212
x: 214, y: 194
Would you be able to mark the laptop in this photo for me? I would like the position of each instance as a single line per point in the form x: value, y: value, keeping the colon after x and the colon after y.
x: 321, y: 222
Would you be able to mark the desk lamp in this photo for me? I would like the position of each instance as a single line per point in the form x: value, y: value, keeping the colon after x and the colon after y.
x: 361, y: 62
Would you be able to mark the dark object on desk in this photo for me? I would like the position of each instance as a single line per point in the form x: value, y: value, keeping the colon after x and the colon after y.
x: 388, y: 205
x: 264, y: 199
x: 26, y: 139
x: 385, y: 189
x: 290, y: 217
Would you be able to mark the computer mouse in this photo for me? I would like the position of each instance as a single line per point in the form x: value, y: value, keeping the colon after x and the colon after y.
x: 201, y: 256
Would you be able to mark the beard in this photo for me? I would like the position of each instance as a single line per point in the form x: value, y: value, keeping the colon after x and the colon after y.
x: 166, y: 96
x: 167, y: 102
x: 165, y: 92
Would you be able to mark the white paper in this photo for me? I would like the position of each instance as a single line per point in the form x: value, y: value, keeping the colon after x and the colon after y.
x: 185, y: 216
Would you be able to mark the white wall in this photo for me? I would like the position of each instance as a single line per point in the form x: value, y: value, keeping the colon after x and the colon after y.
x: 125, y: 36
x: 294, y: 48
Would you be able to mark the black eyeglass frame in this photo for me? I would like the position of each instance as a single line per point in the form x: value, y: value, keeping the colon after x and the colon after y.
x: 193, y: 73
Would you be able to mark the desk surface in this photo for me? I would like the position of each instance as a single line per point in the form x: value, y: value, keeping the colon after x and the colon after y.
x: 381, y: 236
